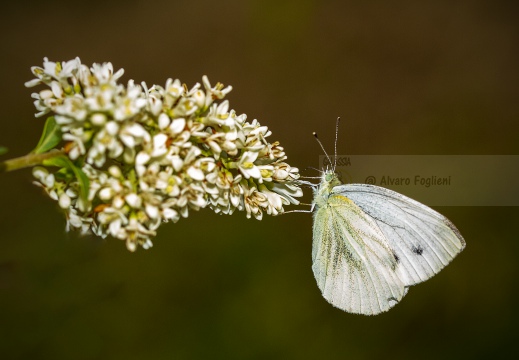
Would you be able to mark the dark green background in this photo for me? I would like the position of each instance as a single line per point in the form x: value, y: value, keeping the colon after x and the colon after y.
x: 407, y: 77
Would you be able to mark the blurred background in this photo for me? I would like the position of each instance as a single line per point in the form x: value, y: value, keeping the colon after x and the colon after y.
x: 406, y: 77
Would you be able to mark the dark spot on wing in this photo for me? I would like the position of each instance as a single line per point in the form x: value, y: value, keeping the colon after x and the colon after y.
x: 395, y: 263
x: 417, y: 250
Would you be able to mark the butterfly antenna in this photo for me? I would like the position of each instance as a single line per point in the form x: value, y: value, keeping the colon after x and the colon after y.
x: 310, y: 177
x: 322, y: 147
x: 335, y: 147
x: 311, y: 167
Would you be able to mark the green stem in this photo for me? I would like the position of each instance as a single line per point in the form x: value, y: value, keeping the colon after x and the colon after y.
x: 28, y: 160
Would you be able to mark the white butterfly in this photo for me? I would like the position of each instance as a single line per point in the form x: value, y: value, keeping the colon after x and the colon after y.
x: 370, y: 244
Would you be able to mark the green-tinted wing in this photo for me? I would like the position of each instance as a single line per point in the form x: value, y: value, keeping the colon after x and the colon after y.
x: 352, y: 263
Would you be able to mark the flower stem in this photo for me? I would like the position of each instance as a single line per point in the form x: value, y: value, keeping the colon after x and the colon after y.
x: 28, y: 160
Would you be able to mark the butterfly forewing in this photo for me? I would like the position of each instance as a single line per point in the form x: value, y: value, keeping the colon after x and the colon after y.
x: 423, y: 240
x: 353, y: 264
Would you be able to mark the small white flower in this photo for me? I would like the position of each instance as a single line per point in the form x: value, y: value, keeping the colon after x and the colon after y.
x: 104, y: 73
x: 133, y: 200
x: 170, y: 214
x: 142, y: 158
x: 217, y: 92
x: 133, y: 134
x: 106, y: 193
x: 159, y: 145
x: 275, y: 203
x: 247, y: 167
x: 254, y: 201
x: 195, y: 173
x: 131, y: 104
x: 152, y: 211
x: 64, y: 201
x: 172, y: 92
x: 177, y: 126
x: 73, y: 108
x: 78, y: 148
x: 40, y: 173
x: 163, y: 121
x: 115, y: 171
x: 219, y: 115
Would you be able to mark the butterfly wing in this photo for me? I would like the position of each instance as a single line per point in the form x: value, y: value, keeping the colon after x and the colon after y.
x: 352, y: 262
x: 423, y: 240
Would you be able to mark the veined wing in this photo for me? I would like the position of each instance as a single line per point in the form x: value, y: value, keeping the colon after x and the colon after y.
x: 423, y: 240
x: 352, y: 262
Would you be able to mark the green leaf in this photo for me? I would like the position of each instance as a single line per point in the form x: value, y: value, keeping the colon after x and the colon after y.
x: 3, y: 150
x: 50, y: 137
x: 65, y: 162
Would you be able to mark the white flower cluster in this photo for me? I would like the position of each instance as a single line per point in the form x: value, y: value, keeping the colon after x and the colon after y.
x: 152, y: 154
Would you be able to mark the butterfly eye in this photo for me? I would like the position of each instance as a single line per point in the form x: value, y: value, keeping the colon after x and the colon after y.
x: 328, y: 177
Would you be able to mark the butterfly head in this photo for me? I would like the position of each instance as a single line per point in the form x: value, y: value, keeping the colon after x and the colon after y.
x: 331, y: 178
